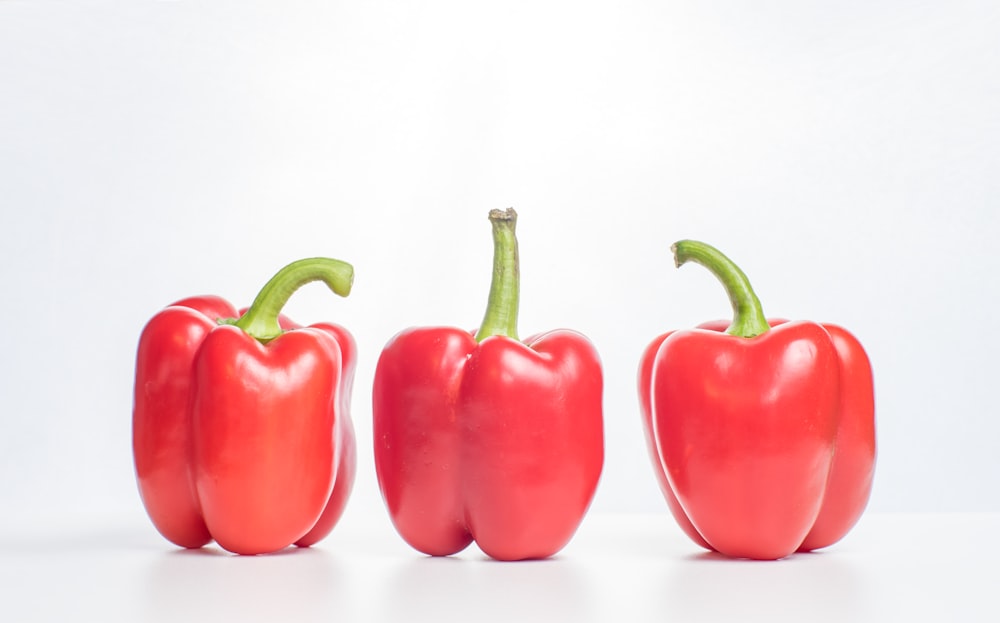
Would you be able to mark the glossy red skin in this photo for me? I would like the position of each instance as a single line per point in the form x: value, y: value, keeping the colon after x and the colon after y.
x: 769, y: 497
x: 247, y: 444
x: 500, y: 442
x: 344, y: 435
x: 853, y: 468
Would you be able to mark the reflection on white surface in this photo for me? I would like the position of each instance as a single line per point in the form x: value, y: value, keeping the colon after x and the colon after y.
x: 462, y: 589
x: 281, y: 587
x: 712, y: 587
x: 618, y: 568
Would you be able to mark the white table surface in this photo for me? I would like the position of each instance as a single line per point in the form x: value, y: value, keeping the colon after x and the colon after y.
x: 892, y: 567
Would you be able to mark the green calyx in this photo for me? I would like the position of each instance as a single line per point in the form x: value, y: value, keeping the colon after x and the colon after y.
x: 261, y: 320
x: 748, y: 315
x: 505, y: 288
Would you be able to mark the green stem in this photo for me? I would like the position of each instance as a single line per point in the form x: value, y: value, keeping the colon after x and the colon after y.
x: 505, y: 288
x: 261, y: 320
x: 748, y: 315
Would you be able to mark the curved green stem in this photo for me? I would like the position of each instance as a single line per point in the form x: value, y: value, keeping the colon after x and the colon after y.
x: 261, y: 319
x: 505, y: 288
x: 748, y: 315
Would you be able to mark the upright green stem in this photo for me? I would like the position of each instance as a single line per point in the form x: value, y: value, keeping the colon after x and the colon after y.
x: 505, y: 288
x: 748, y: 315
x: 261, y: 320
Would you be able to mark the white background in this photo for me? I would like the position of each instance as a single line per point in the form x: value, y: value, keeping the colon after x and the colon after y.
x: 846, y: 154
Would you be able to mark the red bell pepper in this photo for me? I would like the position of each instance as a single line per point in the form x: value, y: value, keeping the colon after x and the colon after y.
x: 241, y: 430
x: 762, y: 434
x: 483, y: 437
